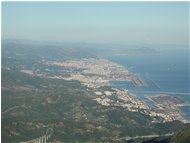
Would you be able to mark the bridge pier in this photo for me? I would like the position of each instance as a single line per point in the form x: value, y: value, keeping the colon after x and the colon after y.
x: 45, y: 139
x: 42, y: 139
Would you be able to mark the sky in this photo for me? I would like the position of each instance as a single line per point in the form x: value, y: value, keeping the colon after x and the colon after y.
x: 98, y: 22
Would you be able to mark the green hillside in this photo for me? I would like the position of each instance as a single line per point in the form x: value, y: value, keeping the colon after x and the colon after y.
x: 32, y: 104
x: 182, y: 136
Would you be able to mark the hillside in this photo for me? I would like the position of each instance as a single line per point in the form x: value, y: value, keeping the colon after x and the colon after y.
x: 183, y: 136
x: 31, y: 104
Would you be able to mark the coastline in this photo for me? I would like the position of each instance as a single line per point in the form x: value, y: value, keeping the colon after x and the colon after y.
x: 172, y: 81
x: 97, y: 73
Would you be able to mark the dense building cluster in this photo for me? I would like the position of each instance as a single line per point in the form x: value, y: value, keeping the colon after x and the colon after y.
x: 96, y: 73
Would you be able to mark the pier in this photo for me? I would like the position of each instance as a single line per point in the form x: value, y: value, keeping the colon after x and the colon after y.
x: 137, y: 81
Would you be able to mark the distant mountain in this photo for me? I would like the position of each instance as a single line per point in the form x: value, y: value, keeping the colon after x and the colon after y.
x: 135, y: 50
x: 147, y: 49
x: 51, y: 50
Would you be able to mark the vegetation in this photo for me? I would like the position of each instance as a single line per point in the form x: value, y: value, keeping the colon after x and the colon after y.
x: 31, y: 104
x: 183, y: 136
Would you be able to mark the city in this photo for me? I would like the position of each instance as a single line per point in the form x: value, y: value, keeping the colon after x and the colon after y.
x: 96, y: 73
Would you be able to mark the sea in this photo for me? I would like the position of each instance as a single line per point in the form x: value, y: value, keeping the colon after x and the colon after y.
x: 166, y: 71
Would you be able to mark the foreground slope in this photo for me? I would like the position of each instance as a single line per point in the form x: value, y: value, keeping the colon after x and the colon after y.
x: 183, y: 136
x: 30, y: 105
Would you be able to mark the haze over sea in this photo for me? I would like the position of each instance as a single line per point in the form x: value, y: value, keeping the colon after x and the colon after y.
x: 166, y: 71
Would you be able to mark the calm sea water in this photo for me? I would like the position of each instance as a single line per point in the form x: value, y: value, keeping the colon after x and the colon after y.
x: 164, y: 72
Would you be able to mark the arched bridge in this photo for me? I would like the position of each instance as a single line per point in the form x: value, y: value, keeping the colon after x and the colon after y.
x: 42, y: 139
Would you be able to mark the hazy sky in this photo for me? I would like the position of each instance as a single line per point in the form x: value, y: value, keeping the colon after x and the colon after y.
x: 102, y: 22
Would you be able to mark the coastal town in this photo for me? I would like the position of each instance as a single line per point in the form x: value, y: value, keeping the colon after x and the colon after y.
x: 97, y: 73
x: 166, y: 110
x: 166, y: 106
